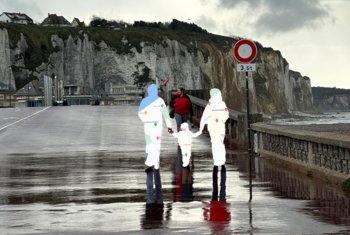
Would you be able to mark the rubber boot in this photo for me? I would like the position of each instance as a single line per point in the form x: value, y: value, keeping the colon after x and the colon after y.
x: 223, y: 184
x: 149, y: 185
x: 158, y: 184
x: 214, y: 196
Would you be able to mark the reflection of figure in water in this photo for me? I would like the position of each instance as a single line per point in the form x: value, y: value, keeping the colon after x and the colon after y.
x: 153, y: 217
x: 222, y: 195
x: 215, y: 115
x: 183, y: 180
x: 184, y: 137
x: 152, y: 110
x: 217, y: 211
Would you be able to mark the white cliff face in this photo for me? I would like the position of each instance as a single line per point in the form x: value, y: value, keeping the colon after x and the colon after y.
x: 80, y: 61
x: 327, y: 99
x: 182, y: 69
x: 73, y: 62
x: 334, y: 103
x: 6, y: 76
x: 300, y: 94
x: 278, y: 89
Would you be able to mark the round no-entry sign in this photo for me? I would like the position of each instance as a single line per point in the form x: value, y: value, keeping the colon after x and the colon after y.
x: 244, y: 50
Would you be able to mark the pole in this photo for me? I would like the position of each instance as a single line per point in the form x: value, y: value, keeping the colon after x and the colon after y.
x: 10, y: 90
x: 249, y: 145
x: 28, y: 94
x: 248, y: 114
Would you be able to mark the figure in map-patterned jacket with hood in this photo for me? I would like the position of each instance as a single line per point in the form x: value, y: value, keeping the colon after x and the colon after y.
x: 151, y: 111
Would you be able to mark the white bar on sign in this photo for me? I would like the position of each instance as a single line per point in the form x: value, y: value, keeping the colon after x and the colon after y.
x: 246, y: 67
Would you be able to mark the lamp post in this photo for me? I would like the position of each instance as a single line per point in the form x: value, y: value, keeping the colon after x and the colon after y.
x: 10, y: 88
x: 28, y: 94
x: 56, y: 90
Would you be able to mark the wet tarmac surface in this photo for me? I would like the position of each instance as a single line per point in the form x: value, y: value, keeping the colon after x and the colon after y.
x: 102, y: 190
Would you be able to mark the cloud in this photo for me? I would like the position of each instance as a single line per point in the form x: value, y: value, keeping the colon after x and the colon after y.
x: 238, y: 3
x: 276, y: 16
x: 204, y: 1
x: 206, y: 23
x: 23, y: 6
x: 283, y: 16
x: 28, y: 7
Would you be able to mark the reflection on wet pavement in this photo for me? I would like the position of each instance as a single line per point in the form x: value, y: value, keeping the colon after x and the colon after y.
x: 183, y: 180
x: 153, y: 217
x: 105, y: 192
x: 324, y: 202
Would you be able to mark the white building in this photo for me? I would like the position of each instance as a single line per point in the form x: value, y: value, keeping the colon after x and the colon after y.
x: 125, y: 94
x: 18, y: 18
x: 6, y: 95
x: 30, y: 95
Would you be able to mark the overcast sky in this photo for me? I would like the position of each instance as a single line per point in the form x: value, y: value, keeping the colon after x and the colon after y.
x: 313, y: 35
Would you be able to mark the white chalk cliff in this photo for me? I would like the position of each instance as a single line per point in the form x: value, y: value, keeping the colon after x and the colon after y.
x: 78, y: 60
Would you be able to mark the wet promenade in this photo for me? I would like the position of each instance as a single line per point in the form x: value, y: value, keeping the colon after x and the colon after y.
x: 80, y: 170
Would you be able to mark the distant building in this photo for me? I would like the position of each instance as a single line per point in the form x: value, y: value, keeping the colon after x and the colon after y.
x: 126, y: 94
x: 18, y: 18
x: 77, y: 23
x: 30, y: 95
x: 6, y: 95
x: 55, y: 20
x: 74, y: 96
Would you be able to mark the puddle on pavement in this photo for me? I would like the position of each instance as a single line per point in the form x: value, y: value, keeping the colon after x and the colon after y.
x: 106, y: 192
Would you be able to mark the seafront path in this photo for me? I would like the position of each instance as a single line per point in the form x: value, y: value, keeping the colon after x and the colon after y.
x: 80, y: 170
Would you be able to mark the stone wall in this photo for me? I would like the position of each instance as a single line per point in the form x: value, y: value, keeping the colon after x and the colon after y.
x: 325, y: 152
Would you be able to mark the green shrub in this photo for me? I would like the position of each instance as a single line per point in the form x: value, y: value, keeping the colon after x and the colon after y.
x: 309, y: 173
x: 327, y: 179
x: 346, y: 186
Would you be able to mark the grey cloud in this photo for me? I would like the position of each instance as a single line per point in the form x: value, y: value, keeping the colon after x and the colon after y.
x: 281, y: 15
x: 24, y: 6
x: 207, y: 23
x: 237, y: 3
x: 290, y: 15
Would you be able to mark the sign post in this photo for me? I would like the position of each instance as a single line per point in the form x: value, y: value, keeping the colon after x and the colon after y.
x: 245, y: 52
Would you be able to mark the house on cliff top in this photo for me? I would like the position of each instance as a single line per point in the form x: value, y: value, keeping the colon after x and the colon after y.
x: 55, y: 20
x: 19, y: 18
x: 77, y: 23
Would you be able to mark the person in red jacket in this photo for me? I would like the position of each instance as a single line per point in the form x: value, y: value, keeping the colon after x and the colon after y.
x: 182, y: 106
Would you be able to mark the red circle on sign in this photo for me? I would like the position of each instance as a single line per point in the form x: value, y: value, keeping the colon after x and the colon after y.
x: 244, y: 43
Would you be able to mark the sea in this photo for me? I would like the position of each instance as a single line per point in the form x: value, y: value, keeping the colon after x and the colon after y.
x: 307, y: 118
